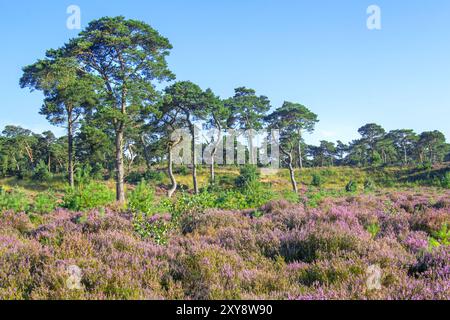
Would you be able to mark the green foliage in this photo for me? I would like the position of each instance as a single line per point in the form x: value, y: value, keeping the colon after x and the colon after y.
x: 313, y: 198
x: 291, y: 196
x: 89, y: 196
x: 425, y: 166
x: 388, y: 182
x: 445, y: 182
x: 45, y: 202
x: 317, y: 180
x: 248, y: 174
x: 376, y: 159
x: 142, y: 199
x: 433, y: 243
x: 190, y: 204
x: 352, y: 186
x: 156, y: 229
x: 369, y: 185
x: 232, y: 200
x: 226, y: 181
x: 440, y: 238
x: 256, y: 194
x: 14, y: 200
x: 182, y: 170
x: 443, y: 235
x: 373, y: 229
x: 83, y: 175
x: 153, y: 176
x: 41, y: 172
x: 134, y: 177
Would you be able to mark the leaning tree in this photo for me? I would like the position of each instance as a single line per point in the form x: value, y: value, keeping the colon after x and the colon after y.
x: 217, y: 119
x: 290, y: 121
x: 305, y: 120
x: 189, y: 99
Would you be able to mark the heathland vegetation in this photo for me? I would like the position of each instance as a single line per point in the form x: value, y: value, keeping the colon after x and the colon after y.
x: 142, y: 218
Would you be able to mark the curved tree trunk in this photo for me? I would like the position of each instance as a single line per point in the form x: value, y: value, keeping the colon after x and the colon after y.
x: 291, y: 169
x: 292, y: 175
x: 171, y: 175
x: 174, y: 186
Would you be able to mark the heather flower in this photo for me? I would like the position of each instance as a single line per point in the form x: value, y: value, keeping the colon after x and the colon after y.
x: 291, y: 252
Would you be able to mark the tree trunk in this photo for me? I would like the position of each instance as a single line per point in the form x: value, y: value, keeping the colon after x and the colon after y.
x: 120, y: 174
x: 405, y: 154
x: 212, y: 171
x: 194, y: 160
x: 70, y: 152
x: 431, y: 155
x: 147, y: 157
x: 171, y: 175
x: 300, y: 154
x: 251, y: 154
x: 292, y: 175
x: 213, y: 155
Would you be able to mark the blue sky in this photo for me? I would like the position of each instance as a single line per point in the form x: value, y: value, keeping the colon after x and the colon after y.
x: 316, y: 52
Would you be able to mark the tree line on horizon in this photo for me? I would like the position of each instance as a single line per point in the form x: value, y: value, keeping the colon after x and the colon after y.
x: 101, y: 87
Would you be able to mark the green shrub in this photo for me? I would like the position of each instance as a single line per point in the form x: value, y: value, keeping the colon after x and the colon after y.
x: 15, y: 200
x: 90, y: 196
x: 155, y: 176
x: 142, y: 199
x: 443, y: 235
x: 373, y: 229
x: 97, y: 172
x: 83, y: 175
x: 388, y: 182
x: 41, y: 173
x: 256, y: 195
x: 376, y: 159
x: 45, y: 202
x: 156, y: 229
x: 134, y: 177
x: 317, y: 180
x: 329, y: 172
x: 226, y: 181
x: 190, y: 204
x: 352, y: 186
x: 21, y: 173
x: 445, y: 182
x: 248, y: 174
x: 426, y: 166
x: 291, y: 196
x: 314, y: 199
x: 232, y: 200
x: 182, y: 170
x: 369, y: 185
